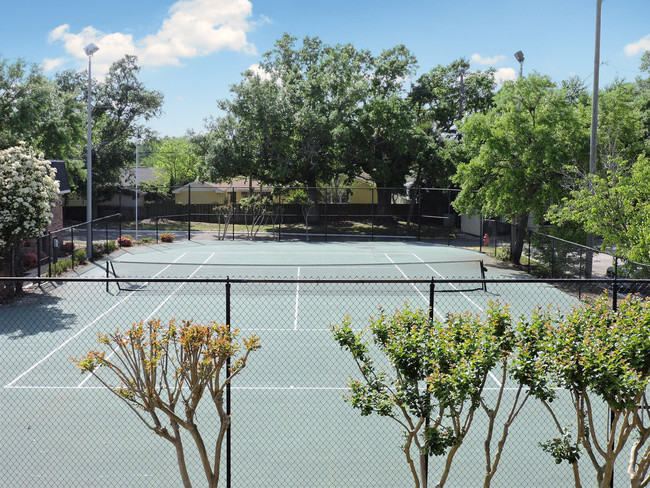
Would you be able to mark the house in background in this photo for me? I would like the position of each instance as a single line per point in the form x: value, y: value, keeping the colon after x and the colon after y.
x: 218, y: 193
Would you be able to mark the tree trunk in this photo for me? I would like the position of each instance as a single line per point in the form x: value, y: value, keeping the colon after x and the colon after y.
x: 180, y: 456
x: 518, y: 236
x: 383, y: 215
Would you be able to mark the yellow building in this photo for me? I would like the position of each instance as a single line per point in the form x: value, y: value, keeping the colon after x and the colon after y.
x: 216, y: 193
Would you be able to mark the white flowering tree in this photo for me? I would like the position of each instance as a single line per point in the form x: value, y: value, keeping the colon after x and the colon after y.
x: 29, y: 191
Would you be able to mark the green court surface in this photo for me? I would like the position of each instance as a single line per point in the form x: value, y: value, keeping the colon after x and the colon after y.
x: 291, y: 426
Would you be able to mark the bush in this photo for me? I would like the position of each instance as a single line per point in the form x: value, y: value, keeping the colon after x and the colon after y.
x: 125, y: 241
x: 503, y: 254
x: 109, y: 247
x: 128, y: 236
x: 30, y: 260
x: 61, y: 266
x: 146, y: 240
x: 167, y: 237
x: 80, y: 257
x: 67, y: 247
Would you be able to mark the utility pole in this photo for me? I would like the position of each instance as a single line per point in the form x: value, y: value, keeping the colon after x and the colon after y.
x: 593, y: 140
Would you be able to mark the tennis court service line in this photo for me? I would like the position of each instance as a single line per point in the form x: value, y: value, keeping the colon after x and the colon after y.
x: 451, y: 284
x: 413, y: 285
x: 88, y: 375
x: 10, y: 385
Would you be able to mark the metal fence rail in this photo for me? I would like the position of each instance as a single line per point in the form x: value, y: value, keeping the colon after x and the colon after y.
x: 290, y: 427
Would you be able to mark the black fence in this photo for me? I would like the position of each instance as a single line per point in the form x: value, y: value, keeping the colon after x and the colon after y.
x: 290, y: 423
x: 275, y: 212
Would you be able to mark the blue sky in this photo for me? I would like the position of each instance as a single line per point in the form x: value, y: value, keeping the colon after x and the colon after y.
x: 193, y: 50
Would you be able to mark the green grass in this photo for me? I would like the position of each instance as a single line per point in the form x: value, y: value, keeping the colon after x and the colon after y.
x: 400, y: 228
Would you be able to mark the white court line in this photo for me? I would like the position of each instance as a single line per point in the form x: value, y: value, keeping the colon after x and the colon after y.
x: 80, y: 332
x: 295, y: 313
x: 452, y: 285
x: 412, y: 285
x: 88, y: 376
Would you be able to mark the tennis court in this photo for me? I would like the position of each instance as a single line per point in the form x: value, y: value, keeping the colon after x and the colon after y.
x: 290, y: 424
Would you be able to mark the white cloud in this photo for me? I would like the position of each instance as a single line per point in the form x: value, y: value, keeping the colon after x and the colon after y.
x: 641, y: 45
x: 259, y: 72
x: 50, y: 64
x: 505, y: 74
x: 477, y: 58
x: 192, y: 28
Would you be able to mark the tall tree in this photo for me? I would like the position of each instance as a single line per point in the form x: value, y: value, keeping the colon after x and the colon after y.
x: 41, y: 112
x: 283, y: 125
x: 174, y: 160
x: 521, y: 149
x: 382, y: 139
x: 441, y: 97
x: 122, y: 104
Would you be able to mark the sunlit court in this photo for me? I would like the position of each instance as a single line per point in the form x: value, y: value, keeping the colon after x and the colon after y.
x: 289, y: 420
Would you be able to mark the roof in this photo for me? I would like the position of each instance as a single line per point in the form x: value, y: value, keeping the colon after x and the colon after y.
x: 241, y: 184
x: 61, y: 175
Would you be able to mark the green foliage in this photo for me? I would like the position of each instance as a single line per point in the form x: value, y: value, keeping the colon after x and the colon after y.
x: 562, y: 448
x: 42, y: 113
x: 438, y: 372
x: 613, y: 205
x: 80, y: 257
x: 174, y: 160
x: 164, y: 371
x: 520, y: 148
x: 597, y: 353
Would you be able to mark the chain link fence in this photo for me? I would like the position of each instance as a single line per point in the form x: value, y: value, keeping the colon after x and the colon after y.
x: 290, y: 424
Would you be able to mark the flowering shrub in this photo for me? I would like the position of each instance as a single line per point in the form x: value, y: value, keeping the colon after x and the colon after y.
x: 67, y: 247
x: 167, y: 237
x: 124, y: 241
x: 29, y: 191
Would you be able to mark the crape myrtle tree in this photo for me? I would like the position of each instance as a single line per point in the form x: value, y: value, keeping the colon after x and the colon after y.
x: 601, y: 357
x: 163, y: 371
x: 521, y: 149
x: 29, y: 191
x: 435, y: 383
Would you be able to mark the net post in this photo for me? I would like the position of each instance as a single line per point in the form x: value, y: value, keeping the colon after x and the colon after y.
x: 432, y: 287
x: 483, y: 270
x: 228, y: 440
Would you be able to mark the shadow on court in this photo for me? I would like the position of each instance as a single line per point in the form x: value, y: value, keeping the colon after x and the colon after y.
x: 34, y: 314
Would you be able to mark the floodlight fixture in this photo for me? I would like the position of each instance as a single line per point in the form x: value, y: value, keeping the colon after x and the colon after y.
x: 91, y: 49
x: 519, y: 56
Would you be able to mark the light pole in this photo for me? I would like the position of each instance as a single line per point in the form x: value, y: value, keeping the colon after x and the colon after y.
x: 90, y: 49
x: 519, y: 56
